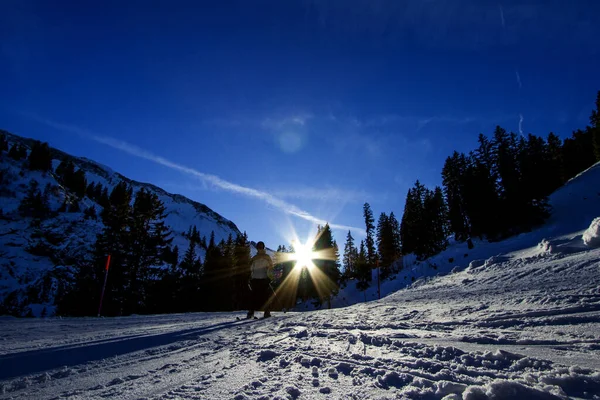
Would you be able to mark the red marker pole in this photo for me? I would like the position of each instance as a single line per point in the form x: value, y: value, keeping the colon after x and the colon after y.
x: 378, y: 281
x: 104, y: 286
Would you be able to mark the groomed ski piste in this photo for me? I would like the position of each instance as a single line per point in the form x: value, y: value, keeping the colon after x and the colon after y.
x: 518, y: 319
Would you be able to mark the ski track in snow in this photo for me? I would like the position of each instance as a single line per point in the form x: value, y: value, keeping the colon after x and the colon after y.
x: 523, y: 327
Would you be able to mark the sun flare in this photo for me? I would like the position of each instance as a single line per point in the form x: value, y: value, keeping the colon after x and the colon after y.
x: 303, y: 255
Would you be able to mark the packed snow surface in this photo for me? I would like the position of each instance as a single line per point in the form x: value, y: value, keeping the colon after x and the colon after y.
x: 519, y: 327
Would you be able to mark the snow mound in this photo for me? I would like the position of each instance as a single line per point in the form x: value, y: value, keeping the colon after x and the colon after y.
x: 504, y: 389
x: 591, y: 237
x: 545, y: 247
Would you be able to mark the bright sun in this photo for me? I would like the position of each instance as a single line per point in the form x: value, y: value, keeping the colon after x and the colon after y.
x: 303, y: 255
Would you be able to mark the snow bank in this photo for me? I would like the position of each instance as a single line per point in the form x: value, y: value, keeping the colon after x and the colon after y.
x: 591, y: 237
x: 504, y: 389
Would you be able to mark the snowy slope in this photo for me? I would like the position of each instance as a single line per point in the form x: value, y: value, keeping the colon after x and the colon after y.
x: 33, y: 277
x: 522, y: 329
x: 574, y: 206
x: 522, y: 321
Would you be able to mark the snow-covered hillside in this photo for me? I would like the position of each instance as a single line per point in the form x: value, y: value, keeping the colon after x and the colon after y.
x: 574, y: 206
x: 33, y: 261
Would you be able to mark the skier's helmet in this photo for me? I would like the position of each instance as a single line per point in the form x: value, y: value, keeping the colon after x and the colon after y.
x: 260, y: 245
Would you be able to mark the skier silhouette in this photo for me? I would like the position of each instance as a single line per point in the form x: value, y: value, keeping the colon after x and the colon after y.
x: 260, y: 267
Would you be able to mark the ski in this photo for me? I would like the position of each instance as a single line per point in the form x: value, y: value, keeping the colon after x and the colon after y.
x: 245, y: 319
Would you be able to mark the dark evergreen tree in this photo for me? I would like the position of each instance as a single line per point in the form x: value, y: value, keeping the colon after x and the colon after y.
x: 595, y: 127
x: 363, y: 269
x: 79, y: 183
x: 90, y: 213
x: 578, y: 152
x: 555, y: 154
x: 149, y: 237
x: 89, y: 191
x: 480, y: 194
x: 104, y: 199
x: 188, y: 264
x: 349, y: 259
x: 412, y: 224
x: 435, y: 220
x: 327, y: 282
x: 396, y: 236
x: 370, y: 239
x: 16, y: 152
x: 35, y: 204
x: 385, y: 245
x: 114, y: 240
x: 453, y: 178
x: 40, y: 157
x: 241, y: 272
x: 65, y: 173
x: 3, y: 143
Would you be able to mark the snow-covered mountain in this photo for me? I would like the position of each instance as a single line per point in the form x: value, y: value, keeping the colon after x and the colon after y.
x: 33, y: 260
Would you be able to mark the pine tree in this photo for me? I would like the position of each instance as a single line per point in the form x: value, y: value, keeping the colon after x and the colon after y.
x: 114, y: 240
x: 149, y: 237
x: 363, y: 269
x: 578, y: 152
x: 65, y: 172
x: 35, y: 204
x: 89, y: 191
x: 40, y: 157
x: 3, y: 143
x: 189, y: 260
x: 481, y: 196
x: 350, y: 255
x: 16, y: 152
x: 595, y: 127
x: 90, y: 212
x: 104, y: 199
x: 453, y: 177
x: 396, y: 236
x: 385, y: 245
x: 412, y: 226
x: 557, y: 170
x: 369, y: 241
x: 328, y: 265
x: 241, y: 273
x: 79, y: 183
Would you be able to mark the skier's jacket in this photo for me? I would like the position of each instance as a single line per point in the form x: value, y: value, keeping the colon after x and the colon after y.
x: 261, y: 265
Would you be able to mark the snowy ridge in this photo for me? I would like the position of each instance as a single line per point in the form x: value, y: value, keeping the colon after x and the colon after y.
x: 34, y: 262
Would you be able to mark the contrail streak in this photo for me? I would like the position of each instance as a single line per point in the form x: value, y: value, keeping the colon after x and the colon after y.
x: 502, y: 17
x: 521, y: 119
x: 208, y: 178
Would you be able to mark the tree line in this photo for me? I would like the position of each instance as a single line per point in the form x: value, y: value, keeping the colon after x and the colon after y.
x: 497, y: 190
x: 146, y: 273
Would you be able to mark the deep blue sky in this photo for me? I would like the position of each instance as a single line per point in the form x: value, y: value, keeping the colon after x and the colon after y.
x: 278, y: 108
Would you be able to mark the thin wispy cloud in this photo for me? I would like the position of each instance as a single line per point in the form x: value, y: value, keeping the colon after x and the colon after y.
x: 502, y: 17
x: 210, y: 179
x: 521, y: 119
x: 518, y: 78
x: 329, y: 194
x: 277, y: 123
